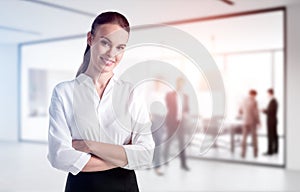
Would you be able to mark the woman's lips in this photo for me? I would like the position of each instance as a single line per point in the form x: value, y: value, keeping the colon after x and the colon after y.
x: 107, y: 62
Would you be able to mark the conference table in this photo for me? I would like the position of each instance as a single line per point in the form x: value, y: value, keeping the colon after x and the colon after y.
x: 233, y: 127
x: 217, y: 126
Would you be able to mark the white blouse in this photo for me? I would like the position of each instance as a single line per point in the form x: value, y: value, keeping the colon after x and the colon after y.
x: 120, y: 117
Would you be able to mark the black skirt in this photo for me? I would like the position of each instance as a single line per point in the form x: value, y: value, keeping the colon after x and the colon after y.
x: 117, y: 179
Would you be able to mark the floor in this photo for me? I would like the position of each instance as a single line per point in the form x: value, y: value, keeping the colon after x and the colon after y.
x: 222, y: 150
x: 24, y: 168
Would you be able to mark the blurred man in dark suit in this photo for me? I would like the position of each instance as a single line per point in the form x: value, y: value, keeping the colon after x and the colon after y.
x: 271, y: 112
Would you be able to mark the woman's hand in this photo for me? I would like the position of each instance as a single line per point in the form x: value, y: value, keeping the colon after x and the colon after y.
x: 97, y: 164
x: 82, y: 145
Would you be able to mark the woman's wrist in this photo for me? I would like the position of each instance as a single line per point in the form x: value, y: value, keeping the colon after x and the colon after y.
x: 90, y: 145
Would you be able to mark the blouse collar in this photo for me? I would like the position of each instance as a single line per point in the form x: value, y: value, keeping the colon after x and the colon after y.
x: 88, y: 81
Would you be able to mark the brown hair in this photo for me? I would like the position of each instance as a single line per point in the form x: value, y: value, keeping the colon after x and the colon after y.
x: 271, y: 91
x: 103, y: 18
x: 253, y: 92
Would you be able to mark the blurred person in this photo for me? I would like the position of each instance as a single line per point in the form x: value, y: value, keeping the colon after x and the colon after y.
x: 271, y: 112
x: 177, y: 109
x: 85, y: 136
x: 156, y: 100
x: 250, y: 116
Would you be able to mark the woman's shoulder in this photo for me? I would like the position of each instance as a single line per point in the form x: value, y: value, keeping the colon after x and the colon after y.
x: 65, y: 84
x: 123, y: 85
x: 64, y: 87
x: 122, y: 82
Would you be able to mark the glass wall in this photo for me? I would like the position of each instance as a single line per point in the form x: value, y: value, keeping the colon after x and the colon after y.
x: 249, y: 52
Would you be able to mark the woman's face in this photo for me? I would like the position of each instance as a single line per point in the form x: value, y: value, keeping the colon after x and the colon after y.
x: 107, y: 47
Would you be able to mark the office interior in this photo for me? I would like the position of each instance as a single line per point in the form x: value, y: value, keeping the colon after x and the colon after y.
x: 253, y: 44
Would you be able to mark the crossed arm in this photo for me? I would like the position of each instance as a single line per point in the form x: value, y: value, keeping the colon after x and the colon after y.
x: 97, y: 164
x: 104, y: 156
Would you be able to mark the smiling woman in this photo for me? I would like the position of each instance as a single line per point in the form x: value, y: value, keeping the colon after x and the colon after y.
x: 101, y: 40
x: 86, y: 137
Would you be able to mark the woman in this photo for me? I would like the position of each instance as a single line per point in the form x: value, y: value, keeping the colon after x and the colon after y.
x: 98, y: 130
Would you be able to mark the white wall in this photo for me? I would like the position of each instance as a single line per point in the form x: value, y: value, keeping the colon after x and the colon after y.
x: 9, y: 92
x: 293, y: 88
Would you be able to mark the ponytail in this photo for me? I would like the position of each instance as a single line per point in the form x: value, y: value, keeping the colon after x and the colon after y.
x: 86, y: 60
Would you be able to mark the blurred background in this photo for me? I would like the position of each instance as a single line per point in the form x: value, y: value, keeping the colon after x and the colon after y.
x: 254, y: 45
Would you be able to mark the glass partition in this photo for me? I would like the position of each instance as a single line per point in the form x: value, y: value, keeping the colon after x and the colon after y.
x: 249, y: 52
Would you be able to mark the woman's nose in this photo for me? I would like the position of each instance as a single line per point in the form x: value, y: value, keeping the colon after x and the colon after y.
x: 111, y: 52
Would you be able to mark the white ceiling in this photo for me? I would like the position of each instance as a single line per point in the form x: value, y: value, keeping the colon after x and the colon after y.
x: 34, y: 20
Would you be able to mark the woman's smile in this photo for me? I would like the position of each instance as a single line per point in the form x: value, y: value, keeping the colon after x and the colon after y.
x: 107, y: 62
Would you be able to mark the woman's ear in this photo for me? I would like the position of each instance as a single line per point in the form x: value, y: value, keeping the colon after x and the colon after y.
x: 89, y: 38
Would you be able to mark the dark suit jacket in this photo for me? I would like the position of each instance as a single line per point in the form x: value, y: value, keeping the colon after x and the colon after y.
x: 171, y: 102
x: 271, y: 112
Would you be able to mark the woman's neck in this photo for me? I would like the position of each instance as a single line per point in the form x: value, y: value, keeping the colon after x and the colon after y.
x: 100, y: 79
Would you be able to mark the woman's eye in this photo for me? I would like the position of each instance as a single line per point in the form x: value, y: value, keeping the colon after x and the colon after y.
x: 105, y: 43
x: 121, y: 48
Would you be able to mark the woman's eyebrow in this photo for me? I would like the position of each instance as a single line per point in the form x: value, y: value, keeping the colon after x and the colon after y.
x: 106, y: 38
